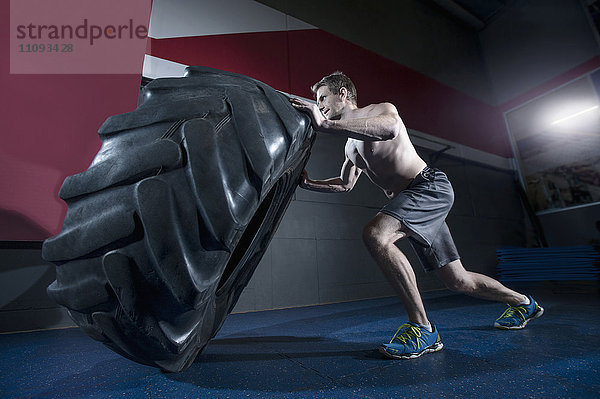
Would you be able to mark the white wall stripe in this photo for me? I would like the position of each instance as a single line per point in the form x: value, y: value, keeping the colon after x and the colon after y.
x: 155, y: 67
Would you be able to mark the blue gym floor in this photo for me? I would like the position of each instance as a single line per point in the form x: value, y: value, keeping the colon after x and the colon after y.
x: 329, y: 351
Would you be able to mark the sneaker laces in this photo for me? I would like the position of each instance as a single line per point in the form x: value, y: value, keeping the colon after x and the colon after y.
x: 515, y: 311
x: 407, y: 335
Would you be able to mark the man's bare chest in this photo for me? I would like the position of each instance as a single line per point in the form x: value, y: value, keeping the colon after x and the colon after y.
x: 366, y: 154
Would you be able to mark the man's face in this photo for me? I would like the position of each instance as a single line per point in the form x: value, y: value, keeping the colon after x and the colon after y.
x: 330, y: 104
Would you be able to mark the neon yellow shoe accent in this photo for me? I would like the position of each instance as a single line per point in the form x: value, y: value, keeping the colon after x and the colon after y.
x: 411, y: 341
x: 517, y: 317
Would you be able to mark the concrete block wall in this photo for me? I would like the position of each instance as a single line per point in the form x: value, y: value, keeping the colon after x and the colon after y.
x: 317, y: 255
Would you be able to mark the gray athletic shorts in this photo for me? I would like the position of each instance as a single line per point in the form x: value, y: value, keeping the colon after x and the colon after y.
x: 423, y: 207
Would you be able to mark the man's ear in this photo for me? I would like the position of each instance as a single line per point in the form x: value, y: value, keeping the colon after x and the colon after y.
x: 343, y: 93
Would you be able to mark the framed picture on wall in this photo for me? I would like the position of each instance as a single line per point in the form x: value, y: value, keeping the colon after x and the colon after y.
x: 556, y: 142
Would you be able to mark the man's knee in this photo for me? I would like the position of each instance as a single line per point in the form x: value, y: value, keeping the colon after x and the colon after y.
x: 372, y: 236
x: 376, y: 237
x: 382, y: 231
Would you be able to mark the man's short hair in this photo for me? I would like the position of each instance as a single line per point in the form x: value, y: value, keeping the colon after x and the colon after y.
x: 334, y: 83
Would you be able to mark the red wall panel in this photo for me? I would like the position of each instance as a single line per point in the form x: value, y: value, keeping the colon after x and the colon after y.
x: 49, y: 129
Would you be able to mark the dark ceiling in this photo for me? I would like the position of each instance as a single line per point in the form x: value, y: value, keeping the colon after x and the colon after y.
x: 482, y: 9
x: 476, y: 14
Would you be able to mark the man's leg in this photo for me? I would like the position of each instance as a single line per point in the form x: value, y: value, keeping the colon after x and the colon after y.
x: 478, y: 285
x: 521, y: 308
x: 416, y: 337
x: 379, y: 236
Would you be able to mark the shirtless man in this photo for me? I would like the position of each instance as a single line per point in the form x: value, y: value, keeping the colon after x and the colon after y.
x: 420, y: 199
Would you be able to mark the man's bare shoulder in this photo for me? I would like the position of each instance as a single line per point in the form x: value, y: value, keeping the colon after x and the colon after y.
x: 380, y: 109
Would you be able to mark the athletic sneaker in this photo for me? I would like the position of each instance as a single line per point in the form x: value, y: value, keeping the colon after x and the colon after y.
x: 411, y: 341
x: 517, y: 317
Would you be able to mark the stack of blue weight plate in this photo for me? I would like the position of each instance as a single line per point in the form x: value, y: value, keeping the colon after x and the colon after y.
x: 573, y: 263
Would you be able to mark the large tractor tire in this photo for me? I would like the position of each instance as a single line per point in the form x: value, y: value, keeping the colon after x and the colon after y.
x: 166, y: 227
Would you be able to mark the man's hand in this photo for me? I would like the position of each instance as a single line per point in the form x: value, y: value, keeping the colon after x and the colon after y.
x: 311, y: 109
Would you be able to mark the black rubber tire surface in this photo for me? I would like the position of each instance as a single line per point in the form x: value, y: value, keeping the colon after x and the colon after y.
x: 166, y: 227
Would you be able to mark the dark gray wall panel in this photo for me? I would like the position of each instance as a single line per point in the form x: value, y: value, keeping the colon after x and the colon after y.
x: 295, y: 272
x: 578, y: 226
x: 487, y: 215
x: 24, y: 305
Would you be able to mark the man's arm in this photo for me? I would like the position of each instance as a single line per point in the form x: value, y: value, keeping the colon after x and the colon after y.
x: 384, y: 125
x: 383, y: 122
x: 345, y: 182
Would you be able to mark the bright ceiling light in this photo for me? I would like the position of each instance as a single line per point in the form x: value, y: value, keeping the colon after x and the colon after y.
x: 575, y: 115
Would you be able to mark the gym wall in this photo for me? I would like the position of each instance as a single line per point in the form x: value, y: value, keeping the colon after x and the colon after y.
x: 450, y: 84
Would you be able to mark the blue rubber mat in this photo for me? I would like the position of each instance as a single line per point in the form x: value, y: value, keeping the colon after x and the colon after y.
x: 330, y: 351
